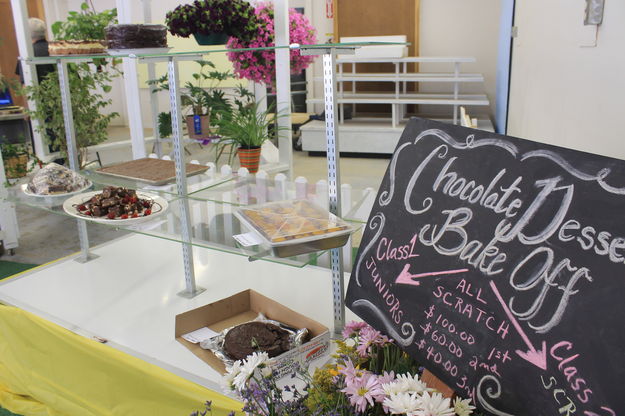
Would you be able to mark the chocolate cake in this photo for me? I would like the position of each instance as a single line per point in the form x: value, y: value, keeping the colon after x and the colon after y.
x: 245, y: 339
x: 129, y: 36
x: 116, y: 203
x: 55, y: 179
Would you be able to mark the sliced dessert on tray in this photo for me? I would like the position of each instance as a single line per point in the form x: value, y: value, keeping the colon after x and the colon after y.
x: 75, y: 47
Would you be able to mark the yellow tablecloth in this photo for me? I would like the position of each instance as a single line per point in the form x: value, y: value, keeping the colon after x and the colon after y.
x: 46, y: 370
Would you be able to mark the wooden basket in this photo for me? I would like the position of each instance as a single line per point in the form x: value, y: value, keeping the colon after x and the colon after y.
x: 16, y: 166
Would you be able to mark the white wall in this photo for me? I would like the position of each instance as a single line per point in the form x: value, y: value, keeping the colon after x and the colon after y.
x: 561, y: 92
x: 316, y: 13
x: 447, y: 27
x: 462, y: 28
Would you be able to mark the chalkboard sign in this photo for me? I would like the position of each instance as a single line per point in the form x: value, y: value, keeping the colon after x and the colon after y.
x: 498, y: 263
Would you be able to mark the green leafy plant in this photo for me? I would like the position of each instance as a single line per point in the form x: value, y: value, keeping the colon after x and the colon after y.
x: 164, y: 125
x: 200, y: 96
x: 90, y: 124
x: 243, y: 126
x: 232, y: 17
x: 247, y: 127
x: 85, y: 24
x: 4, y: 82
x: 18, y: 159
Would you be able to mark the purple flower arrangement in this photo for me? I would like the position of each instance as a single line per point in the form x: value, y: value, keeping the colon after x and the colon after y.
x: 205, y: 17
x: 370, y: 376
x: 259, y: 65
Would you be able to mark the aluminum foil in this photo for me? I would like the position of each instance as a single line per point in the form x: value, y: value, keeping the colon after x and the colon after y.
x: 216, y: 344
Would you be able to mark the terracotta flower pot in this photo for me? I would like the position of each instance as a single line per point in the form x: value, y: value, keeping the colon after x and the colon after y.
x: 198, y: 127
x: 250, y: 158
x: 212, y: 39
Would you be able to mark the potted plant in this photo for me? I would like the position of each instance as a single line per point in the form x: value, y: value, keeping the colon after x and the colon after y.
x: 201, y: 101
x: 260, y: 65
x: 212, y: 22
x: 85, y: 26
x: 247, y: 128
x: 16, y: 158
x: 90, y: 124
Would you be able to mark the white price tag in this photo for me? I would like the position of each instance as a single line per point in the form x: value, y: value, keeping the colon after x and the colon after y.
x: 248, y: 239
x: 199, y: 335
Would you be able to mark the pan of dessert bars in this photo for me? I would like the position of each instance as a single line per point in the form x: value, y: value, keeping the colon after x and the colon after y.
x: 295, y: 227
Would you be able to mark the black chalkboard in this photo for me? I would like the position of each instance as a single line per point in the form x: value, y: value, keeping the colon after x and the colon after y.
x: 499, y: 264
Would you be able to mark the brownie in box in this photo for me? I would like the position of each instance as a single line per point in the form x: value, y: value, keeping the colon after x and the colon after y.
x: 243, y: 307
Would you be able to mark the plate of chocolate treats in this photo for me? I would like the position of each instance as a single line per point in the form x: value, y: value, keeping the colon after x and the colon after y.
x: 115, y: 204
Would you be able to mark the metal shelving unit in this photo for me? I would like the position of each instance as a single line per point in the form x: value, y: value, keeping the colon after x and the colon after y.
x: 328, y: 52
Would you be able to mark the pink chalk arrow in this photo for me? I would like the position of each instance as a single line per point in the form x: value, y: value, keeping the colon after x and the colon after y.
x: 406, y: 278
x: 536, y: 357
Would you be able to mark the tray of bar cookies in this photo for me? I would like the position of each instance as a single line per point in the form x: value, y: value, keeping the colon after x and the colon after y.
x: 295, y: 227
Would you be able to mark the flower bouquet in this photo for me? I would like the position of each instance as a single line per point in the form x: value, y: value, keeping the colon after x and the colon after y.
x: 260, y: 66
x: 370, y: 375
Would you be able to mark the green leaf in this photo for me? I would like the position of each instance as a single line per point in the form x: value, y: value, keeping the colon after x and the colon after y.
x: 56, y: 28
x: 84, y: 6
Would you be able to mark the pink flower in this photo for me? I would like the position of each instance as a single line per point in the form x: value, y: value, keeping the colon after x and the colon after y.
x: 368, y: 337
x: 353, y: 327
x: 262, y: 69
x: 363, y: 391
x: 386, y: 377
x: 350, y: 372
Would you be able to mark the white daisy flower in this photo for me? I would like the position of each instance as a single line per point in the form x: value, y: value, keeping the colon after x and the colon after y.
x: 240, y: 380
x: 463, y: 407
x: 401, y: 403
x: 248, y: 367
x: 393, y: 387
x: 266, y: 371
x: 434, y: 405
x: 228, y: 378
x: 410, y: 383
x: 257, y: 359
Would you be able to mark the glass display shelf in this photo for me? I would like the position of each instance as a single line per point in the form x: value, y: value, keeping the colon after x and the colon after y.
x: 213, y: 225
x: 194, y: 53
x: 249, y: 191
x: 195, y: 183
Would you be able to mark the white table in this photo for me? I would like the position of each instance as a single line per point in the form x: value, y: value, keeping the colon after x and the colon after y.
x: 128, y: 296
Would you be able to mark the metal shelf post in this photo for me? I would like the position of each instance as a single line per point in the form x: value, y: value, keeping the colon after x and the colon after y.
x: 72, y: 152
x: 334, y: 177
x: 191, y: 290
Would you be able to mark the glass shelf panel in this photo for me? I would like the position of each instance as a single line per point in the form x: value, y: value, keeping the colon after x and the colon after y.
x: 245, y: 191
x: 74, y: 58
x: 195, y: 183
x: 213, y: 225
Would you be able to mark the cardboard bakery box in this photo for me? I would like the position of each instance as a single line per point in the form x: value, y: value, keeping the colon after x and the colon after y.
x: 243, y: 307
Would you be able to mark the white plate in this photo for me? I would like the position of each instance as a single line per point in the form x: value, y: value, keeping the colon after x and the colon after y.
x: 137, y: 51
x: 159, y: 207
x: 55, y: 196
